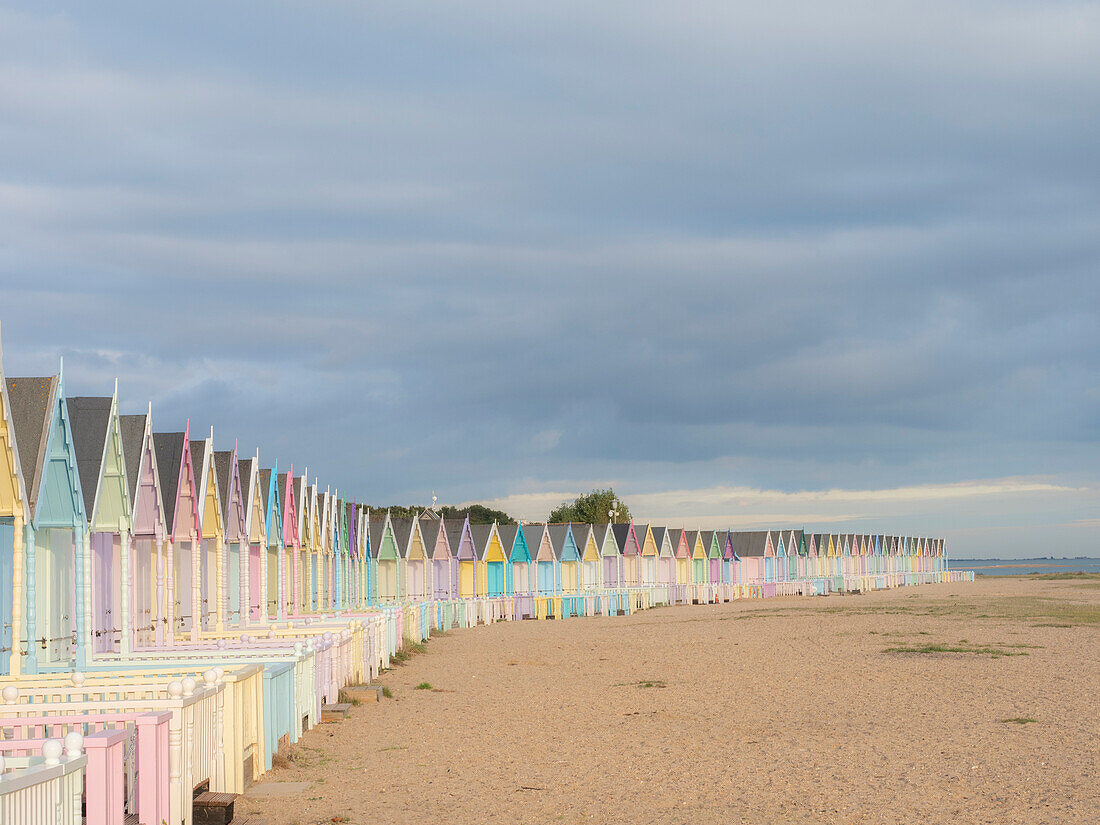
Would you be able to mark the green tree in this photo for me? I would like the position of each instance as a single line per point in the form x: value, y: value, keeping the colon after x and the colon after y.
x: 591, y: 508
x: 479, y: 514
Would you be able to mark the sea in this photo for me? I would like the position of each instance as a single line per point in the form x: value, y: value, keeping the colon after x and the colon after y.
x: 1023, y: 567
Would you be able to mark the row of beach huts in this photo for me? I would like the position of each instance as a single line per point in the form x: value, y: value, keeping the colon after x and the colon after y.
x: 173, y: 613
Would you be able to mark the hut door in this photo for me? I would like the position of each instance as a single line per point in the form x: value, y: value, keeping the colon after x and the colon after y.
x: 496, y: 578
x: 466, y: 579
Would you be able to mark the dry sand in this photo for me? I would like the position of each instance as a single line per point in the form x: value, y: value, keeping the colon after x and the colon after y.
x: 788, y: 710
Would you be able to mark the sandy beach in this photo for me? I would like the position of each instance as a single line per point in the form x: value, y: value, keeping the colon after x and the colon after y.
x: 789, y: 710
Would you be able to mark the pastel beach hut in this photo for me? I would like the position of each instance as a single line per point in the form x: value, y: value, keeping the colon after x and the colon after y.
x: 666, y: 556
x: 289, y: 573
x: 507, y: 533
x: 729, y: 558
x: 351, y: 514
x: 466, y: 557
x: 567, y: 559
x: 390, y: 573
x: 255, y: 525
x: 714, y: 557
x: 179, y: 500
x: 97, y: 443
x: 631, y: 552
x: 439, y: 555
x: 273, y: 552
x: 46, y: 585
x: 415, y: 559
x: 779, y: 570
x: 14, y: 521
x: 302, y: 496
x: 751, y: 548
x: 682, y: 551
x: 211, y: 535
x: 698, y: 556
x: 494, y: 563
x: 235, y: 538
x: 149, y: 530
x: 458, y: 534
x: 591, y: 566
x: 649, y: 552
x: 611, y: 555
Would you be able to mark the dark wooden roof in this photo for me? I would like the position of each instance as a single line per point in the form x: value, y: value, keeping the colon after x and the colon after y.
x: 132, y: 428
x: 30, y: 408
x: 89, y: 418
x: 169, y: 450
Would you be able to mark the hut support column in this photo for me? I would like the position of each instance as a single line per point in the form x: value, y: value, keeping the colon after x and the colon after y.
x: 280, y: 584
x: 82, y: 546
x: 124, y: 594
x: 170, y: 591
x: 297, y: 581
x: 18, y: 591
x: 158, y: 609
x: 196, y: 588
x: 246, y: 582
x: 32, y: 624
x: 263, y: 583
x: 219, y: 587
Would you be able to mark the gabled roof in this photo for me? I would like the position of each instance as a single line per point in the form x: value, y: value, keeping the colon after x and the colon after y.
x: 376, y: 527
x: 88, y: 421
x: 674, y: 536
x: 750, y: 543
x: 481, y: 534
x: 580, y: 534
x: 430, y: 528
x: 532, y: 536
x: 222, y: 468
x: 132, y: 428
x: 708, y: 540
x: 622, y: 534
x: 30, y: 407
x: 558, y: 534
x: 402, y: 532
x: 691, y: 536
x: 198, y: 456
x: 454, y: 526
x: 169, y: 450
x: 507, y: 533
x: 659, y: 536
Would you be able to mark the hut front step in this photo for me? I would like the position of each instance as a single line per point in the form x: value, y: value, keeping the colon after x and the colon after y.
x: 213, y: 808
x: 334, y: 713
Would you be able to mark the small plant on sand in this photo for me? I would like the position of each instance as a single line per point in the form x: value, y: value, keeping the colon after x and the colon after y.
x: 994, y: 651
x: 424, y: 686
x: 1019, y: 720
x: 387, y: 692
x: 644, y: 683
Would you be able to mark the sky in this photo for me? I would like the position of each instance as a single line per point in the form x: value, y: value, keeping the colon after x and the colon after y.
x: 752, y: 264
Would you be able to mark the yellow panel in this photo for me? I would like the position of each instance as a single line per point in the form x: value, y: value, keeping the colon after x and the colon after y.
x: 591, y: 552
x: 698, y: 552
x: 416, y: 549
x: 495, y: 551
x: 10, y: 503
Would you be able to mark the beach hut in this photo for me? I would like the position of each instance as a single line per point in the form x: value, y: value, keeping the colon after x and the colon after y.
x: 391, y: 573
x: 14, y: 522
x: 236, y: 537
x: 649, y: 552
x: 290, y: 579
x: 148, y: 527
x: 211, y: 530
x: 729, y: 558
x: 53, y: 606
x: 682, y: 552
x: 461, y: 544
x: 752, y: 548
x: 714, y: 556
x: 567, y: 559
x: 630, y: 551
x: 591, y: 570
x: 493, y: 563
x: 97, y: 444
x: 697, y: 541
x: 273, y: 551
x: 508, y: 533
x: 466, y: 557
x: 438, y: 549
x: 414, y: 556
x: 541, y: 552
x: 254, y: 559
x: 179, y: 498
x: 666, y: 555
x: 611, y: 554
x: 302, y: 496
